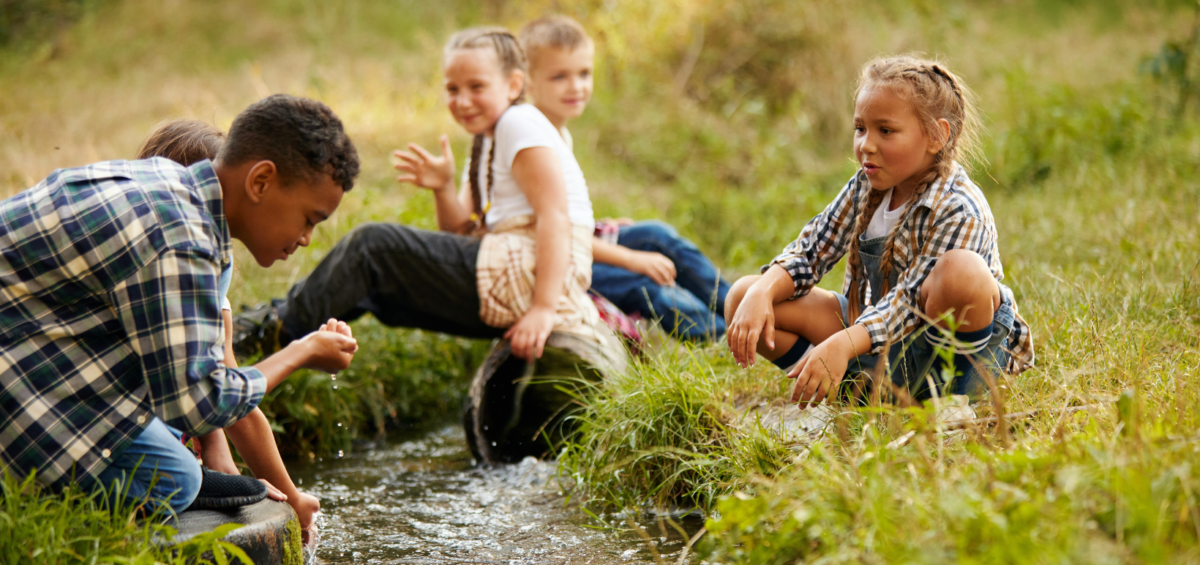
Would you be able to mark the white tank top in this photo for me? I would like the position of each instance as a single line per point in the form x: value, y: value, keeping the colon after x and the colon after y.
x: 521, y: 127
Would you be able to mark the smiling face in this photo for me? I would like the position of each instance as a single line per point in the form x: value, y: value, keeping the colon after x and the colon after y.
x: 889, y: 143
x: 280, y: 219
x: 560, y: 81
x: 477, y: 89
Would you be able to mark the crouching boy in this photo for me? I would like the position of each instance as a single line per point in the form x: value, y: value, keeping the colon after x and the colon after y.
x: 110, y: 321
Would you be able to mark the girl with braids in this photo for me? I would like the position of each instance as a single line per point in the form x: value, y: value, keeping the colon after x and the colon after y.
x: 923, y: 265
x: 524, y: 210
x: 524, y: 194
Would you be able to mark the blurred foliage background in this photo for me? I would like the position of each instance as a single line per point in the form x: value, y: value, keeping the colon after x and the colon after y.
x: 730, y: 120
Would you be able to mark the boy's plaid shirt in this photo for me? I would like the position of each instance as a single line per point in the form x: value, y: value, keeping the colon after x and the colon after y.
x: 952, y: 214
x: 109, y: 314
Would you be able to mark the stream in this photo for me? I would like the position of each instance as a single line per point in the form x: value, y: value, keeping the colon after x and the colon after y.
x: 419, y: 499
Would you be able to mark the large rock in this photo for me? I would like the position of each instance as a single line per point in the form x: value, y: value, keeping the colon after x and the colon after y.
x: 270, y: 532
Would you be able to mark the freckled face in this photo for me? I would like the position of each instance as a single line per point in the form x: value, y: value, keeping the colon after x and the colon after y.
x: 477, y: 90
x: 293, y: 213
x: 560, y: 82
x: 889, y: 143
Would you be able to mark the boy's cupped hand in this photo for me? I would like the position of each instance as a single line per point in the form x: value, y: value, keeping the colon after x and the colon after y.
x: 422, y: 168
x: 331, y: 347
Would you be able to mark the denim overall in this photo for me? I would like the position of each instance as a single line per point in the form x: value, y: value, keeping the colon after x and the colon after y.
x: 910, y: 362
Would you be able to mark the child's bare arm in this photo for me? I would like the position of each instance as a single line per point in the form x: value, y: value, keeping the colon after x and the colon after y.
x: 254, y: 440
x: 537, y: 173
x: 214, y: 449
x: 755, y: 315
x: 657, y: 266
x: 436, y: 173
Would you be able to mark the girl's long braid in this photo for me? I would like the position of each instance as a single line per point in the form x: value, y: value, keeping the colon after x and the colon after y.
x: 473, y: 177
x: 858, y: 274
x: 491, y: 158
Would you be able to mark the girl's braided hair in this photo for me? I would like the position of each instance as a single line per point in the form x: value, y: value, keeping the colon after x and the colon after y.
x: 511, y: 58
x: 935, y: 94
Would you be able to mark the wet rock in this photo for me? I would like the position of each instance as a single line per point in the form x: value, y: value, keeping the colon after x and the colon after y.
x: 270, y: 532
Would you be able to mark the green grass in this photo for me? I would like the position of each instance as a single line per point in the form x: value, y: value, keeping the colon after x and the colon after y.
x: 1091, y: 173
x: 72, y: 527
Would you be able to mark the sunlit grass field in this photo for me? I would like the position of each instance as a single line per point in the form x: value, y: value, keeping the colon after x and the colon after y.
x: 731, y: 121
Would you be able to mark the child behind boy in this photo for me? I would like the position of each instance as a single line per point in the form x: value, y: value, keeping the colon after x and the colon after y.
x: 645, y: 267
x: 188, y: 142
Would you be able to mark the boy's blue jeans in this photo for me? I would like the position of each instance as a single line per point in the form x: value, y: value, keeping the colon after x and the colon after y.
x: 692, y: 309
x: 159, y: 450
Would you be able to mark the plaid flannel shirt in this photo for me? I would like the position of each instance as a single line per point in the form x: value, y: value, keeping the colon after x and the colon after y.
x: 952, y: 214
x: 109, y: 314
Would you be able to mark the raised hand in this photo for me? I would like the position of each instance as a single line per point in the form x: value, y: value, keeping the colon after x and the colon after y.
x: 420, y: 167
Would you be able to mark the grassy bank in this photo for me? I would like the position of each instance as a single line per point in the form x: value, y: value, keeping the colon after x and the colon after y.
x: 77, y: 528
x: 730, y: 120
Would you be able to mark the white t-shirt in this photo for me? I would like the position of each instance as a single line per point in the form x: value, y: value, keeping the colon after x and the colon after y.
x: 884, y: 220
x: 521, y: 127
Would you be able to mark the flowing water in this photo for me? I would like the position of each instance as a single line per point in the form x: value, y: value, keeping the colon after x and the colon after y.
x: 419, y: 499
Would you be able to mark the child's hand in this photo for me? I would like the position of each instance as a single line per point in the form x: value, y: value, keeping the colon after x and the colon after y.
x: 657, y: 266
x: 819, y: 372
x: 529, y: 334
x: 755, y: 318
x: 424, y: 169
x: 336, y: 326
x: 329, y: 350
x: 272, y: 492
x: 305, y: 505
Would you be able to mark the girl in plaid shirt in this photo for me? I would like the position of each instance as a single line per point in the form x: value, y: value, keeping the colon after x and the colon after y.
x: 923, y: 265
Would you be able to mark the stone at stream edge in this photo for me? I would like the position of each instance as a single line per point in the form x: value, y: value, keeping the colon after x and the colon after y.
x: 270, y: 534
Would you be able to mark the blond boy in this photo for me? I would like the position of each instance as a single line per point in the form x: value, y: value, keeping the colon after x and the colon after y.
x: 646, y: 267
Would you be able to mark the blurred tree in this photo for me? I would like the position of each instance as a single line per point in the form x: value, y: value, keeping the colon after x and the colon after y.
x: 28, y: 21
x: 1175, y: 66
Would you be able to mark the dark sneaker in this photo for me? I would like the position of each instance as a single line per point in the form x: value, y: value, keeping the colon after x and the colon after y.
x: 258, y: 330
x: 219, y: 491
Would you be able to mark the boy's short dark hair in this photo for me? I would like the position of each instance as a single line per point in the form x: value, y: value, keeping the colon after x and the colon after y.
x: 303, y: 137
x: 555, y: 32
x: 184, y: 141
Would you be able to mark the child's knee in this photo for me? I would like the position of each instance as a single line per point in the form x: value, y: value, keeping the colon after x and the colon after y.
x: 960, y: 271
x: 183, y: 486
x: 961, y: 278
x: 736, y: 292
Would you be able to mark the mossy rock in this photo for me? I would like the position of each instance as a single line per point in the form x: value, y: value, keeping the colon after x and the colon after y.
x: 270, y: 532
x: 518, y: 409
